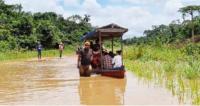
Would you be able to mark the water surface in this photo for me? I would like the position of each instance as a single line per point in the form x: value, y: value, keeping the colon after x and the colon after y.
x: 57, y: 82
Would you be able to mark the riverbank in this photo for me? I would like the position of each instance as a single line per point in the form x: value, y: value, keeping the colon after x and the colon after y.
x: 25, y: 55
x: 177, y: 69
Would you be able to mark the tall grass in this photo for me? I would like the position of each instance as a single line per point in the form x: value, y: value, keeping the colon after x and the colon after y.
x: 177, y: 68
x: 167, y: 57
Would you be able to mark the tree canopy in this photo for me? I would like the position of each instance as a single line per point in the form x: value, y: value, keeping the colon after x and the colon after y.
x: 22, y: 30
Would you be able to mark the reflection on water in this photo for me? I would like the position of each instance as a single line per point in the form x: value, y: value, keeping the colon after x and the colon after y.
x: 57, y: 82
x: 102, y: 90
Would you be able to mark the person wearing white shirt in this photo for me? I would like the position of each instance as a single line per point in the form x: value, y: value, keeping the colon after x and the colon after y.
x: 117, y: 60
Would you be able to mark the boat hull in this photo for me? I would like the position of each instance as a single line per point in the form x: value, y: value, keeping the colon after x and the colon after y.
x: 114, y: 73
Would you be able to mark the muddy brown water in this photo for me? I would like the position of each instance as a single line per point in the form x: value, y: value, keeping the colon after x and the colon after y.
x: 57, y: 82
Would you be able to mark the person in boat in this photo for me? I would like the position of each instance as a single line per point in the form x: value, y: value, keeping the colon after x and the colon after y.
x: 96, y: 46
x: 117, y: 60
x: 107, y: 60
x: 61, y: 48
x: 96, y: 62
x: 111, y: 54
x: 84, y: 60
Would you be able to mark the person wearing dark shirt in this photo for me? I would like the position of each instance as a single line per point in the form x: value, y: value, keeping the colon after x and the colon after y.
x: 84, y: 60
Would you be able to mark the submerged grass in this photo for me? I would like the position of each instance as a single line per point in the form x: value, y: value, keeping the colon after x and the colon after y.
x: 166, y: 58
x: 168, y: 65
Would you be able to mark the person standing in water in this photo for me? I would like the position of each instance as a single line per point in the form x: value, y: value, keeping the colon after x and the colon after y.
x: 39, y: 50
x: 61, y: 48
x: 84, y: 60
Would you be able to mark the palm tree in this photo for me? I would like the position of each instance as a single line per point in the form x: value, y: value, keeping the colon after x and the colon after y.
x: 183, y: 16
x: 86, y: 18
x: 190, y: 10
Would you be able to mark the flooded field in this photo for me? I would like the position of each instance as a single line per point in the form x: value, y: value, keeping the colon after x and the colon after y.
x: 57, y: 82
x: 186, y: 90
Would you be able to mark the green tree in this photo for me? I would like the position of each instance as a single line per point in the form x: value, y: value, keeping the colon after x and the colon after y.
x: 190, y: 10
x: 19, y: 29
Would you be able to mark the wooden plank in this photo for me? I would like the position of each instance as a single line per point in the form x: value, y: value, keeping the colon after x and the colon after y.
x: 113, y: 30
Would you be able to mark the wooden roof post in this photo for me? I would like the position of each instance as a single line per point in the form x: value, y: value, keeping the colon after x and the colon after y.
x: 122, y: 50
x: 100, y: 41
x: 112, y: 43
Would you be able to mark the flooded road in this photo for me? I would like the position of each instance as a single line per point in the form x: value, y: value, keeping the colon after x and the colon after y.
x: 57, y: 82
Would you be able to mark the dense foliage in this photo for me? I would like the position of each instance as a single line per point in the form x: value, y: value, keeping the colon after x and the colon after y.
x: 22, y: 30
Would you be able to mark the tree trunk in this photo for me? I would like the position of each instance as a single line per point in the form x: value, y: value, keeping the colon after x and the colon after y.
x: 192, y: 32
x: 192, y: 19
x: 183, y: 16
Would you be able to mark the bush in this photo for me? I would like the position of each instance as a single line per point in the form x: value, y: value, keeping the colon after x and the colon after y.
x: 4, y: 46
x: 192, y: 49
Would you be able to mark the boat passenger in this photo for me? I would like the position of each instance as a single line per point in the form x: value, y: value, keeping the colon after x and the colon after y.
x: 96, y: 62
x: 96, y: 46
x: 107, y: 61
x: 112, y: 55
x: 117, y: 60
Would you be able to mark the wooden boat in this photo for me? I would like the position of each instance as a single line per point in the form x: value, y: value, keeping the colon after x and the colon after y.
x: 114, y: 73
x: 111, y: 73
x: 108, y: 32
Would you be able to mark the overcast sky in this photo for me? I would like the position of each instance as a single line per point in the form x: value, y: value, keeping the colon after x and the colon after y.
x: 136, y: 15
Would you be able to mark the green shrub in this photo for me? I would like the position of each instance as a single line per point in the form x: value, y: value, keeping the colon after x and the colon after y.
x: 192, y: 49
x: 192, y: 70
x: 169, y: 67
x: 4, y: 46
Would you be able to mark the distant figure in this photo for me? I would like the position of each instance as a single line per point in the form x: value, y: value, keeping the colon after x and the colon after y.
x: 117, y: 60
x: 61, y: 48
x: 84, y: 60
x: 39, y: 50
